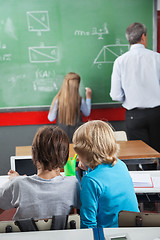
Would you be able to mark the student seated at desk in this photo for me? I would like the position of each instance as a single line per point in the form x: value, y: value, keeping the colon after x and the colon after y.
x: 107, y: 188
x: 47, y: 193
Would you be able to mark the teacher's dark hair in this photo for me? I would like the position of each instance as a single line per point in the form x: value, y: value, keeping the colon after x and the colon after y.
x: 135, y: 31
x: 50, y: 147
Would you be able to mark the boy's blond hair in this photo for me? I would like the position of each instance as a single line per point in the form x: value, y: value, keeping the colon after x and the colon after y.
x: 95, y: 142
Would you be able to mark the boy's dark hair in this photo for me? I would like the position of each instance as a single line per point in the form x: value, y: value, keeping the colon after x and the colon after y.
x: 50, y: 147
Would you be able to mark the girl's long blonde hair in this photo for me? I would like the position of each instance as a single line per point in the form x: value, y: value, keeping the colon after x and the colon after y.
x: 68, y: 100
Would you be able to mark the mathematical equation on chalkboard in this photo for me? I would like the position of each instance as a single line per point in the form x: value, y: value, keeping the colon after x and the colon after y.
x: 38, y: 22
x: 99, y: 32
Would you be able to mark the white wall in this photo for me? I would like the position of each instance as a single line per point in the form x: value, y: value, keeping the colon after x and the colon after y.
x: 158, y: 5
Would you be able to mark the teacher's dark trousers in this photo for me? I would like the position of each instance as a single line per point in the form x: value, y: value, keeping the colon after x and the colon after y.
x: 144, y: 124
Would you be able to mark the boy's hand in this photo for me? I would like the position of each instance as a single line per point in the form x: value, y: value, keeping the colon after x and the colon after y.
x: 12, y: 174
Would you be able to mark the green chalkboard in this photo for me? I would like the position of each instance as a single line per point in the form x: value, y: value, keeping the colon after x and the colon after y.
x: 42, y: 40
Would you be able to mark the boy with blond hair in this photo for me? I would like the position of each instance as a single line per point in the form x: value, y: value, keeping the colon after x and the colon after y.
x: 107, y: 188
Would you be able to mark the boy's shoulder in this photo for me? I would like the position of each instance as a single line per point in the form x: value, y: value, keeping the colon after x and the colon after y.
x: 95, y: 175
x: 71, y: 179
x: 15, y: 182
x: 25, y: 182
x: 71, y: 183
x: 20, y: 179
x: 101, y: 169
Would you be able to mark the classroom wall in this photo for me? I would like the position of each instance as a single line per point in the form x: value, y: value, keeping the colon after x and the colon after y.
x: 9, y: 138
x: 158, y: 5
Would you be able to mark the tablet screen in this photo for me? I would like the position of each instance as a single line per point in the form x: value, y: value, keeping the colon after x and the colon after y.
x: 25, y: 166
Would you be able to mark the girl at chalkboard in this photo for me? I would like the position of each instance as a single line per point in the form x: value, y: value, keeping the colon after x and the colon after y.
x: 67, y: 105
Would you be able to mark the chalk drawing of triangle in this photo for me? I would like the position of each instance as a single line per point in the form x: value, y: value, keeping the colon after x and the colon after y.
x: 38, y: 21
x: 109, y: 53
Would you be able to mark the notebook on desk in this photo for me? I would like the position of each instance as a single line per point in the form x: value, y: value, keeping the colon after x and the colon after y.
x: 23, y: 165
x: 141, y: 180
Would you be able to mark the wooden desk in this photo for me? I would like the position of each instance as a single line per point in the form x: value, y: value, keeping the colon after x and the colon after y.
x: 136, y: 149
x: 131, y: 152
x: 137, y: 152
x: 27, y: 151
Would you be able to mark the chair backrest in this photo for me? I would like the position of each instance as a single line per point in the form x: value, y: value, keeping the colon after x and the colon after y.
x: 57, y: 222
x: 120, y: 135
x: 23, y: 151
x: 138, y: 219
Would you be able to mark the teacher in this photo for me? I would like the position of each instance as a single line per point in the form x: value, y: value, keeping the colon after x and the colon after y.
x: 136, y: 83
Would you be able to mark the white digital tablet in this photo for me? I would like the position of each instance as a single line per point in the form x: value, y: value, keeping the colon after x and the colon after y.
x: 23, y: 165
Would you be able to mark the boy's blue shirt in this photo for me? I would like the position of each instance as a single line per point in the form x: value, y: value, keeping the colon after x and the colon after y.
x: 106, y: 191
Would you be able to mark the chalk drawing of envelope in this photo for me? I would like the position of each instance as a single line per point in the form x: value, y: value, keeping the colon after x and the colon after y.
x: 43, y: 54
x: 109, y: 53
x: 38, y: 21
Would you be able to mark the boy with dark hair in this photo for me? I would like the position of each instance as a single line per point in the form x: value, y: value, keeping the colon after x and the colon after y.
x: 47, y: 193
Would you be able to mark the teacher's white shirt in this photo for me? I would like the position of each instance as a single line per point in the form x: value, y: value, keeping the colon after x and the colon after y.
x: 136, y: 78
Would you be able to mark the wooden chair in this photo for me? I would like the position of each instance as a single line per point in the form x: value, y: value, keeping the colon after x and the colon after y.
x: 56, y: 223
x: 138, y: 219
x: 120, y: 135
